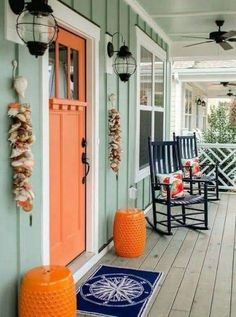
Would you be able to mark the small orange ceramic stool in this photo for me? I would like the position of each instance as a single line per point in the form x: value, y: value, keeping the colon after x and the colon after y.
x: 129, y: 232
x: 48, y: 291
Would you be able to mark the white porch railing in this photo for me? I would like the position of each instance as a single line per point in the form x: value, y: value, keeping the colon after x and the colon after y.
x: 225, y: 156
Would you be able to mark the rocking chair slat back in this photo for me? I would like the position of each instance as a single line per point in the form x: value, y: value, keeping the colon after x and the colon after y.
x: 163, y: 157
x: 187, y: 146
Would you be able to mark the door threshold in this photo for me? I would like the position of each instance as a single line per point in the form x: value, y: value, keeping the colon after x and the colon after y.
x: 80, y: 261
x: 81, y: 265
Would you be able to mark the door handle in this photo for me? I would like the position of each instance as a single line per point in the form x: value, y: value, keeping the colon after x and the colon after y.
x: 85, y: 161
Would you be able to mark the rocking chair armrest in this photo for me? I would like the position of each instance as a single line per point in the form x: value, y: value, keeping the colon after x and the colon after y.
x: 187, y: 166
x: 195, y: 180
x: 161, y: 184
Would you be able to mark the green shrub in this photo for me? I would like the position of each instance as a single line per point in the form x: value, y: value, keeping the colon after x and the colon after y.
x: 220, y: 128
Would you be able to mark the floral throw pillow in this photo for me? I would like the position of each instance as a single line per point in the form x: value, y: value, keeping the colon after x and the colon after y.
x: 193, y: 164
x: 176, y: 182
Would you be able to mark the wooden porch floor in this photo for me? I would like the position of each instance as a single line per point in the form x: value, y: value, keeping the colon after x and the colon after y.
x: 199, y: 266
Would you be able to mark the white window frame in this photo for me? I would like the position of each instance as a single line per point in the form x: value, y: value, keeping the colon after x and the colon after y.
x: 188, y: 114
x: 145, y: 41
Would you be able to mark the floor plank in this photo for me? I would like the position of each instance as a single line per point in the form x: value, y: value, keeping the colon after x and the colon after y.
x: 179, y: 313
x: 199, y: 266
x: 202, y: 301
x: 167, y: 293
x: 186, y: 292
x: 222, y: 291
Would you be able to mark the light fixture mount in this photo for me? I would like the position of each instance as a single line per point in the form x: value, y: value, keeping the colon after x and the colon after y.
x: 17, y: 6
x: 124, y: 63
x: 110, y: 49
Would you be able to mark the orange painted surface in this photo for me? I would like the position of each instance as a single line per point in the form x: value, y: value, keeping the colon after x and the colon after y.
x: 47, y: 291
x: 129, y: 232
x: 67, y: 193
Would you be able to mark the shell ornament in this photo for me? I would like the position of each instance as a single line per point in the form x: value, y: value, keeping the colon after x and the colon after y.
x: 21, y: 138
x: 114, y: 139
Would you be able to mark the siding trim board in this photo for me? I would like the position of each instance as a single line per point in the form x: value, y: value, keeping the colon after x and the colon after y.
x: 30, y: 245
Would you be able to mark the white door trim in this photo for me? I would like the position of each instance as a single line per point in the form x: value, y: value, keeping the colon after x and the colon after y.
x: 72, y: 21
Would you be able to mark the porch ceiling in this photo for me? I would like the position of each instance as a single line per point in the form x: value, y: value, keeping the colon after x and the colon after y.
x: 215, y: 90
x: 189, y: 17
x: 192, y: 18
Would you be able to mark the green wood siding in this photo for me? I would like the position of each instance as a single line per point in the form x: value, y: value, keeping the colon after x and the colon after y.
x: 20, y: 243
x: 113, y: 16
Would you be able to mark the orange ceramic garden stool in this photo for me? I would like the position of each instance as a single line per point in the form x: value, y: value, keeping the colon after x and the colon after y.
x: 129, y: 232
x: 48, y: 291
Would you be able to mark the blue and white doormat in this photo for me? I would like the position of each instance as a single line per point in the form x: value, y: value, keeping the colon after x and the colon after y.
x: 117, y: 292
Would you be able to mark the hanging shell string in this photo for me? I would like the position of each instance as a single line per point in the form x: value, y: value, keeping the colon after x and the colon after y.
x: 21, y: 138
x: 114, y: 139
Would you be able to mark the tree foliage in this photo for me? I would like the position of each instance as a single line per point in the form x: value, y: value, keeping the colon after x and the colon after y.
x: 220, y: 128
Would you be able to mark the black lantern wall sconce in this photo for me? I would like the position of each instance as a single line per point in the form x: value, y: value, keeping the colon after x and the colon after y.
x: 35, y: 25
x: 124, y: 64
x: 200, y: 102
x: 203, y: 103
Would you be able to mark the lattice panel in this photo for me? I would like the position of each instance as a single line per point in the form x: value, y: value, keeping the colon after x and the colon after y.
x: 225, y: 156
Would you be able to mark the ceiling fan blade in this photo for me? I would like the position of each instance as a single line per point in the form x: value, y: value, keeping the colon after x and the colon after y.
x: 195, y: 37
x: 231, y: 40
x: 198, y: 43
x: 232, y: 84
x: 229, y: 34
x: 226, y: 46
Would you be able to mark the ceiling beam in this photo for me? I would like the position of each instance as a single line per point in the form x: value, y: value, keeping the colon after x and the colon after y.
x: 193, y: 14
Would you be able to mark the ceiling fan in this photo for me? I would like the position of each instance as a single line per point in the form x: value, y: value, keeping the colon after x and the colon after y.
x: 229, y: 94
x: 220, y: 37
x: 225, y: 84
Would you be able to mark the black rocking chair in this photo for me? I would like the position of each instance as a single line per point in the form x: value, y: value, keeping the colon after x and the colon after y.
x: 187, y: 149
x: 163, y: 159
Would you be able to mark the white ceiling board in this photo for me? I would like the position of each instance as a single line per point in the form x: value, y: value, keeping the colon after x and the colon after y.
x: 177, y: 6
x: 201, y: 52
x: 211, y: 90
x: 194, y: 25
x: 193, y: 17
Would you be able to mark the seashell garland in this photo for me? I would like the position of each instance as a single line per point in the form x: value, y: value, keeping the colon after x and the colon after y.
x: 21, y: 138
x: 114, y: 139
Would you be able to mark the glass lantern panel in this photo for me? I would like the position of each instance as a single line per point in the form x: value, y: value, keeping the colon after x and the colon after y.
x: 36, y: 28
x: 146, y: 62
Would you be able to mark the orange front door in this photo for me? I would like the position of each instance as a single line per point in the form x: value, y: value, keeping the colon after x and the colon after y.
x: 67, y: 106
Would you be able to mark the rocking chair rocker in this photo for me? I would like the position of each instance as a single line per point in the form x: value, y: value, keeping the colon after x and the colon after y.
x: 163, y: 161
x: 187, y: 150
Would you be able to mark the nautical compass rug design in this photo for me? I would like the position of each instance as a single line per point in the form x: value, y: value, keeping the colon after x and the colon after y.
x: 117, y: 292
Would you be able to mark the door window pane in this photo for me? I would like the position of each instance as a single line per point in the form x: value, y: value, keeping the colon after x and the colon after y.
x: 158, y: 125
x: 51, y: 70
x: 145, y: 77
x: 145, y: 132
x: 159, y: 82
x: 74, y: 85
x: 63, y: 71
